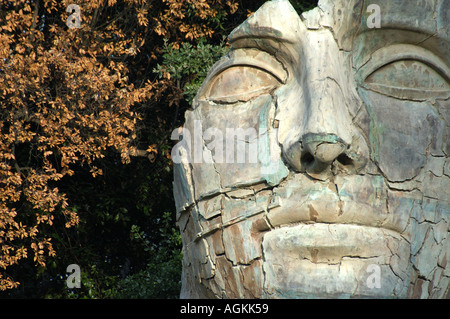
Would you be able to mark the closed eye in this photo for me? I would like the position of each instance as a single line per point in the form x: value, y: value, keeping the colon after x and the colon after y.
x: 406, y: 72
x: 241, y: 84
x: 408, y: 79
x: 243, y: 75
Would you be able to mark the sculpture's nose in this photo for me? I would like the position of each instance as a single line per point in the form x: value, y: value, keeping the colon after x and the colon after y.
x: 324, y: 132
x: 319, y: 128
x: 319, y: 151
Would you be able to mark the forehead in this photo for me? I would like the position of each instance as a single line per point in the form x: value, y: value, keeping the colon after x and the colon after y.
x: 418, y: 20
x: 425, y: 16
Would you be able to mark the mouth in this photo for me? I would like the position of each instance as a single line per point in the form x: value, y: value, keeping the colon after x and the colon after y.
x: 325, y: 229
x: 330, y: 243
x: 356, y: 204
x: 313, y: 238
x: 335, y: 261
x: 355, y: 200
x: 324, y: 241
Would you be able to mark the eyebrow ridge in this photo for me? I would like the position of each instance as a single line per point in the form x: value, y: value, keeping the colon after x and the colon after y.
x: 265, y: 42
x: 401, y: 52
x: 273, y: 34
x: 238, y: 58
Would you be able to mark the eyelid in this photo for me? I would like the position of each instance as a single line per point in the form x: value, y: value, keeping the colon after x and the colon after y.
x: 399, y: 52
x: 253, y: 58
x: 246, y: 83
x: 250, y: 57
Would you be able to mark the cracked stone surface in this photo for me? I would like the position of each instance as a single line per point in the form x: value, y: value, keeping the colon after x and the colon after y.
x: 315, y: 159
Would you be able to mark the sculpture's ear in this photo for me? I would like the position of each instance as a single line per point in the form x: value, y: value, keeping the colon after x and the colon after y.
x: 274, y: 19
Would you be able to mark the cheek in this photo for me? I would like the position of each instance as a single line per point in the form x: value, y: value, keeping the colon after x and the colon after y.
x: 237, y: 145
x: 402, y: 134
x: 290, y: 113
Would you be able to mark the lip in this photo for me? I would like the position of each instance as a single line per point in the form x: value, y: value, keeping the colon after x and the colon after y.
x: 329, y: 243
x: 352, y: 200
x: 326, y: 236
x: 324, y: 210
x: 358, y: 200
x: 322, y: 260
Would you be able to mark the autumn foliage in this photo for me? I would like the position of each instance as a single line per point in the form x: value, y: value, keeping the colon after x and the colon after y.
x: 68, y: 96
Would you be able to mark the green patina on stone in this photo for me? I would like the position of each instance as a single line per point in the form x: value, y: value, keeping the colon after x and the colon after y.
x: 273, y: 172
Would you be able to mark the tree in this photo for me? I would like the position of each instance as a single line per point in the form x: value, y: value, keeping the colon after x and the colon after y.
x: 67, y: 101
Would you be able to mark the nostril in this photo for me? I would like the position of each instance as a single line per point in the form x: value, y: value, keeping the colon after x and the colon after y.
x: 316, y: 153
x: 306, y: 159
x: 344, y: 160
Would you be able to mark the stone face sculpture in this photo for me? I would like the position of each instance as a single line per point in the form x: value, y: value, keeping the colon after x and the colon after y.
x: 315, y: 160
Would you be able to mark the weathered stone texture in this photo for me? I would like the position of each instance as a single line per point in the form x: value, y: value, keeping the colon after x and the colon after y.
x: 315, y: 160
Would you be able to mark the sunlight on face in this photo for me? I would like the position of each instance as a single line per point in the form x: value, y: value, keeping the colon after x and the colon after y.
x: 314, y: 162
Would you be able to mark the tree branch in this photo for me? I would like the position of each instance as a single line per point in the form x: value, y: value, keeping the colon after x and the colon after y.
x: 35, y: 16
